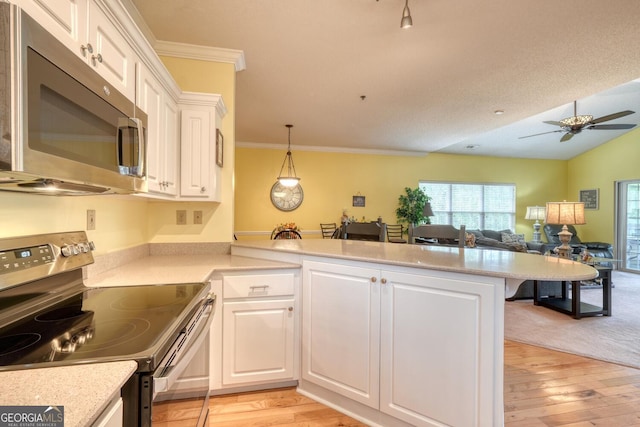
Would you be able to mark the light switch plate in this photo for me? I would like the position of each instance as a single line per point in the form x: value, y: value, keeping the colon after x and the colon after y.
x: 91, y: 219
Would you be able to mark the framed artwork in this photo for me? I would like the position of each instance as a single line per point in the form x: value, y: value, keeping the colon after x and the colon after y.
x: 589, y: 198
x: 358, y: 201
x: 219, y: 148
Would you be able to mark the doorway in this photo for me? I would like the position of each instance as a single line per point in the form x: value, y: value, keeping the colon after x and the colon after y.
x: 628, y: 225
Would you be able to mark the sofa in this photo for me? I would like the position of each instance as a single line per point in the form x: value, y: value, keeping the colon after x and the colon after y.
x: 505, y: 240
x: 597, y: 249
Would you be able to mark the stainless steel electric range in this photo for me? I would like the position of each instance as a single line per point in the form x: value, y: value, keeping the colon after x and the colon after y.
x: 48, y: 317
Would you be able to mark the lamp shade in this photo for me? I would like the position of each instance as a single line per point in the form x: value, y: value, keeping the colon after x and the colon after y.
x: 565, y: 213
x: 535, y: 212
x: 427, y: 210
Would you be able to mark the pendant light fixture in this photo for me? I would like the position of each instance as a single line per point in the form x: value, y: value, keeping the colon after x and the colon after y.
x: 406, y: 21
x: 288, y: 177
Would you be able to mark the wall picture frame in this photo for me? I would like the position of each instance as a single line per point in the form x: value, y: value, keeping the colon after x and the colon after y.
x: 590, y: 198
x: 358, y: 201
x: 219, y: 148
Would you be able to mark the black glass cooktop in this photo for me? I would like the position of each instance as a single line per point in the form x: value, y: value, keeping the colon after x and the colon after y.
x: 99, y: 323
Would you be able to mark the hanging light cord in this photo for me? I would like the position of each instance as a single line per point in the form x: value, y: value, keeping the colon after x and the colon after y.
x: 288, y: 159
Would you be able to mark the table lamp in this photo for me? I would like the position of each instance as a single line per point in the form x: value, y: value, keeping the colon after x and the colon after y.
x: 565, y: 213
x: 537, y: 213
x: 428, y: 212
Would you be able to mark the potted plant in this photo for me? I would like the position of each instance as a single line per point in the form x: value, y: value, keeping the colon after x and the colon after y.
x: 411, y: 207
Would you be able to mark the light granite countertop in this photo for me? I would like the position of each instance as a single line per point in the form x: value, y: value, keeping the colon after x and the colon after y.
x: 513, y: 266
x: 84, y: 390
x: 166, y: 269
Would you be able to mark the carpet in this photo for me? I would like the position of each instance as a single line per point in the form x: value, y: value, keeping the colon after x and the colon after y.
x: 613, y: 339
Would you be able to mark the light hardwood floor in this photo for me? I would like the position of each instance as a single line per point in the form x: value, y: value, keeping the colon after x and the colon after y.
x: 542, y: 388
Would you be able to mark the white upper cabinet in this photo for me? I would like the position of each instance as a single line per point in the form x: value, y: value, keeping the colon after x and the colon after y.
x: 200, y: 117
x: 162, y: 133
x: 85, y: 28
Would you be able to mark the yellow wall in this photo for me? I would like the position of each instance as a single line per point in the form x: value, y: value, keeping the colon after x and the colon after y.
x: 600, y: 168
x: 208, y: 77
x: 121, y: 221
x: 329, y: 181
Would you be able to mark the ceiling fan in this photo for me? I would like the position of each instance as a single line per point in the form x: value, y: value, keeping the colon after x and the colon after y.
x: 576, y: 124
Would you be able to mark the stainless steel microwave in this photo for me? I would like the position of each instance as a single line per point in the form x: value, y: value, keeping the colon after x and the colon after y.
x: 63, y: 128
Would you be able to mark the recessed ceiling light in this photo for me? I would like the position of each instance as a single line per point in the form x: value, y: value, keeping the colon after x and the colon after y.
x: 498, y: 112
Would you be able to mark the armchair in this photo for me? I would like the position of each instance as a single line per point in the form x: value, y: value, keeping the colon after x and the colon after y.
x: 598, y: 249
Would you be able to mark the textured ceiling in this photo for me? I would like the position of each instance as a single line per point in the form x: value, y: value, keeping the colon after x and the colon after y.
x: 433, y: 87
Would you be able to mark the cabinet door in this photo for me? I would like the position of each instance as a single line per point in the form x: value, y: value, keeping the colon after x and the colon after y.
x: 257, y: 343
x: 162, y: 133
x: 437, y: 349
x: 170, y: 131
x: 65, y: 19
x: 112, y: 55
x: 197, y: 135
x: 341, y: 329
x: 149, y: 99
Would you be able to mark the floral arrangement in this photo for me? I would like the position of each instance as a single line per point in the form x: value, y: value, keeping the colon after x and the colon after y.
x: 287, y: 226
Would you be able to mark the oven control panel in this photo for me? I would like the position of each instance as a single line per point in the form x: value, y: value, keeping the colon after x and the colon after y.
x: 28, y: 258
x: 21, y: 258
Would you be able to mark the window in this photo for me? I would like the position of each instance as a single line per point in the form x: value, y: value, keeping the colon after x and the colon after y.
x: 476, y: 206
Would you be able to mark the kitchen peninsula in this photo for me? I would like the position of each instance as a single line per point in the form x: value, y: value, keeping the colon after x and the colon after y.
x: 400, y: 335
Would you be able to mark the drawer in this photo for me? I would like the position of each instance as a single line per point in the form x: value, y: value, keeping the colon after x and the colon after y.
x: 264, y: 285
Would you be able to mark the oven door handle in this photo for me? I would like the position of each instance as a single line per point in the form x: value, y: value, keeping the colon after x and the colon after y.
x: 171, y: 369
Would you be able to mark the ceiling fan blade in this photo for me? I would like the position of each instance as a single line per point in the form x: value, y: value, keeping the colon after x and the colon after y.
x: 612, y: 127
x: 552, y: 122
x: 612, y: 116
x: 543, y: 133
x: 567, y: 136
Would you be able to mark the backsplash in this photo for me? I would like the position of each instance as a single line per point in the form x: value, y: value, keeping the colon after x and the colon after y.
x: 105, y: 262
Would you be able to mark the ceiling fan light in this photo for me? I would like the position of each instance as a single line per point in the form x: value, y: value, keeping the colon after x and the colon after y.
x: 576, y: 121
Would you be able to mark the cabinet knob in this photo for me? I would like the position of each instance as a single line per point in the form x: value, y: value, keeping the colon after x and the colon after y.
x: 87, y: 48
x: 97, y: 58
x: 374, y: 280
x: 203, y: 189
x: 383, y: 281
x: 290, y: 309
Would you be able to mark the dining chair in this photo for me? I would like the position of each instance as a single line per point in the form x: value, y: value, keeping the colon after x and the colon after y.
x: 395, y: 233
x: 328, y: 229
x: 285, y: 234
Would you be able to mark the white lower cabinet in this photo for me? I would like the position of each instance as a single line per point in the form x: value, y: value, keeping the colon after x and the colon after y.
x: 257, y: 341
x: 257, y: 331
x: 341, y: 330
x: 420, y: 348
x: 112, y: 416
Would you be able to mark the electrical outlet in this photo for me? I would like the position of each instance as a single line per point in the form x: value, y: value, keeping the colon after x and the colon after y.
x: 197, y: 217
x: 91, y: 219
x: 181, y: 217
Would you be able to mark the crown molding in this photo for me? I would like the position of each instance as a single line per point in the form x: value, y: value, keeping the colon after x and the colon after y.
x: 205, y: 53
x: 266, y: 146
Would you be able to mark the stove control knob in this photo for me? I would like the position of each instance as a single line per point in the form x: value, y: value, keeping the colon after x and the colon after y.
x: 68, y: 347
x: 92, y: 246
x: 83, y: 247
x: 67, y: 250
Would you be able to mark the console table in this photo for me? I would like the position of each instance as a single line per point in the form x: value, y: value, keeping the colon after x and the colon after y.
x: 572, y: 305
